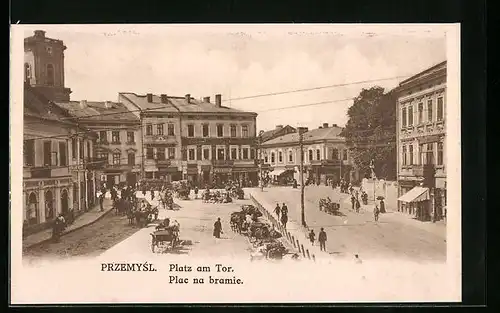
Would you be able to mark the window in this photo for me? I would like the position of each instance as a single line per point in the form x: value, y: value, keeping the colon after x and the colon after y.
x: 440, y: 109
x: 63, y: 161
x: 49, y: 50
x: 170, y: 129
x: 266, y: 159
x: 191, y: 154
x: 205, y: 130
x: 116, y: 158
x: 335, y: 154
x: 115, y: 137
x: 429, y: 155
x: 410, y: 153
x: 32, y: 209
x: 244, y: 131
x: 403, y: 117
x: 149, y: 130
x: 310, y: 155
x: 171, y: 153
x: 81, y: 149
x: 344, y: 155
x: 272, y: 157
x: 318, y: 154
x: 252, y: 154
x: 233, y: 153
x: 410, y: 116
x: 160, y: 153
x: 233, y: 130
x: 131, y: 158
x: 29, y: 152
x: 149, y: 175
x: 47, y: 153
x: 159, y: 129
x: 404, y: 155
x: 280, y: 157
x: 220, y: 154
x: 290, y: 156
x: 245, y: 153
x: 130, y: 137
x: 88, y: 149
x: 206, y: 154
x: 190, y: 130
x: 27, y: 72
x: 440, y: 153
x: 103, y: 136
x: 429, y: 110
x: 49, y: 205
x: 50, y: 74
x: 220, y: 130
x: 149, y: 153
x: 420, y: 113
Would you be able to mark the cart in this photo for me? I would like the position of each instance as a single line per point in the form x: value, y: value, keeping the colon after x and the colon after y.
x: 166, y: 238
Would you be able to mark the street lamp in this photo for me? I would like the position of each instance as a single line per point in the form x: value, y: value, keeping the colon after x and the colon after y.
x: 261, y: 179
x: 301, y: 131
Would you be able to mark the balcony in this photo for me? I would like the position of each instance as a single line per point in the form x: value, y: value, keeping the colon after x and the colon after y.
x: 160, y: 139
x: 41, y: 172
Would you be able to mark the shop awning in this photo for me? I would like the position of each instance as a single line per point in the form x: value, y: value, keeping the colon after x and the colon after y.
x: 415, y: 195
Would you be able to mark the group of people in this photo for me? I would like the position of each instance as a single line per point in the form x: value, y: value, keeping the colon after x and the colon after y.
x: 322, y: 238
x: 282, y: 213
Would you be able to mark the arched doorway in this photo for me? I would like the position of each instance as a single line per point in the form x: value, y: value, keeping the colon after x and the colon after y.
x: 64, y: 202
x: 32, y: 210
x: 49, y: 205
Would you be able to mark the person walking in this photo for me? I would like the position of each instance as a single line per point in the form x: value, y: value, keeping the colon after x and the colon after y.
x: 284, y: 209
x: 322, y: 238
x: 353, y: 203
x: 217, y: 228
x: 382, y: 206
x: 376, y: 212
x: 196, y: 192
x: 312, y: 236
x: 284, y: 219
x: 358, y: 205
x: 101, y: 200
x: 277, y: 210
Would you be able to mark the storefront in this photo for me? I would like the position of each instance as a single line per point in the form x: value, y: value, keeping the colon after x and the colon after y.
x: 221, y: 176
x: 416, y: 202
x: 245, y: 176
x: 205, y: 175
x: 192, y: 173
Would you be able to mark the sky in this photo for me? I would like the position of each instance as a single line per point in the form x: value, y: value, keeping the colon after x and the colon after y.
x: 240, y: 61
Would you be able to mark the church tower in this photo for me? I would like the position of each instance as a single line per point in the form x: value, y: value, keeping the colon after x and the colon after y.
x: 44, y: 66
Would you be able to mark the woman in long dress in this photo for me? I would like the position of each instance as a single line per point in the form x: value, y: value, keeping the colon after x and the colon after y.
x: 217, y: 228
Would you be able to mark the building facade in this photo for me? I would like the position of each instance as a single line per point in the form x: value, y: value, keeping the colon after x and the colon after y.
x: 117, y: 158
x: 280, y: 130
x: 195, y: 140
x: 421, y: 132
x: 326, y: 156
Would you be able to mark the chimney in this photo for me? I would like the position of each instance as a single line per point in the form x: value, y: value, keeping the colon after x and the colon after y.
x: 278, y: 127
x: 325, y: 125
x: 206, y: 99
x: 108, y: 105
x: 335, y: 125
x: 40, y: 33
x: 188, y: 98
x: 150, y: 97
x: 164, y: 98
x: 218, y: 100
x: 83, y: 104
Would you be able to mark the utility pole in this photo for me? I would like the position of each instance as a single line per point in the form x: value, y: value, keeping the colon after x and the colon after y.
x: 261, y: 161
x: 78, y: 171
x: 301, y: 131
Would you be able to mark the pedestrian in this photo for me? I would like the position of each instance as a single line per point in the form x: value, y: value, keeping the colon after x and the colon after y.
x: 312, y: 237
x: 217, y: 228
x: 284, y: 209
x: 358, y: 206
x: 196, y: 192
x: 376, y: 212
x: 382, y: 206
x: 101, y: 201
x: 357, y: 259
x: 322, y: 238
x: 277, y: 210
x: 353, y: 203
x: 284, y: 219
x: 152, y: 194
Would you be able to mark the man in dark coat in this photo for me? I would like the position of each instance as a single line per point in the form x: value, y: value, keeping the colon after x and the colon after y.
x: 284, y: 219
x: 217, y: 228
x: 322, y: 238
x: 277, y: 210
x: 284, y: 209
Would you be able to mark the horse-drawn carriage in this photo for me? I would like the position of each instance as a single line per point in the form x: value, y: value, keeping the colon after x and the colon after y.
x: 328, y: 206
x: 166, y: 238
x: 143, y: 215
x: 181, y: 189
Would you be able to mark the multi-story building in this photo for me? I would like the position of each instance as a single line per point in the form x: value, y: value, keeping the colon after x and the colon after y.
x: 117, y: 158
x: 421, y: 132
x: 326, y: 155
x: 199, y: 141
x: 53, y: 143
x: 280, y: 130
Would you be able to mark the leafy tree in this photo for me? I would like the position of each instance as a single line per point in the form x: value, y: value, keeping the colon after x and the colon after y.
x: 371, y: 132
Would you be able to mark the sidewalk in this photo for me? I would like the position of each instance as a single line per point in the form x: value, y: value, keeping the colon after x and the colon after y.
x: 83, y: 220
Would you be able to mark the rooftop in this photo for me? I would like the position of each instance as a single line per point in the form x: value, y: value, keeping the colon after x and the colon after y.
x: 97, y: 111
x: 270, y: 134
x: 37, y: 105
x: 426, y: 72
x: 329, y: 133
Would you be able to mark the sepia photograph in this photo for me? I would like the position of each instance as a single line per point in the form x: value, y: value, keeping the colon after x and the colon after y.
x: 235, y: 163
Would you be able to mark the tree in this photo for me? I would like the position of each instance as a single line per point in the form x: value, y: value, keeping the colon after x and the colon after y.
x: 371, y: 132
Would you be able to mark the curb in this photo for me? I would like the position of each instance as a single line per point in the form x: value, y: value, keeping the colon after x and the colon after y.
x: 69, y: 231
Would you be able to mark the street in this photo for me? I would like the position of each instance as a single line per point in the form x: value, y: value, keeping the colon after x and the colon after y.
x: 393, y: 236
x: 112, y: 237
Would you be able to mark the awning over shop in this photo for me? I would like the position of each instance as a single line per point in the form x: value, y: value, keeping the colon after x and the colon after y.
x: 415, y: 195
x: 278, y: 172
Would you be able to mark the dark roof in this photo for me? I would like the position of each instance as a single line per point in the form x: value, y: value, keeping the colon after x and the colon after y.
x: 425, y: 72
x: 271, y: 134
x: 330, y: 133
x: 178, y: 105
x: 37, y: 105
x: 97, y: 111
